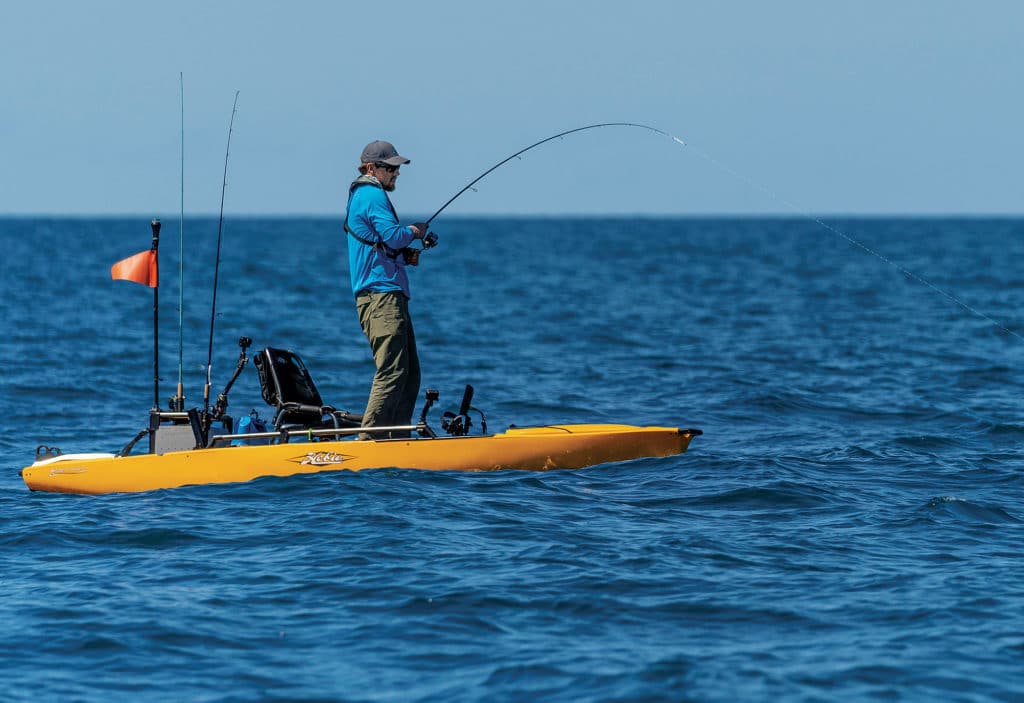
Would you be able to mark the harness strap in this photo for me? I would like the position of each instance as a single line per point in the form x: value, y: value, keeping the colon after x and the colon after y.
x: 377, y: 244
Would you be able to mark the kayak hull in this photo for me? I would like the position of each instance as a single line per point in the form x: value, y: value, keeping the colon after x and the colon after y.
x: 531, y: 449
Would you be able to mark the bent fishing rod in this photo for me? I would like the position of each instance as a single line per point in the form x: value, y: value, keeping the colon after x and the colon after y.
x: 544, y: 141
x: 216, y: 268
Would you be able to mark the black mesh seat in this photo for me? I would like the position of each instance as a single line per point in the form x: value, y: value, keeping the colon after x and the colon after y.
x: 288, y: 387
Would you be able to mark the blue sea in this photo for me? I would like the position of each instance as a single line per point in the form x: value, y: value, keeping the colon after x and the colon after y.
x: 849, y: 527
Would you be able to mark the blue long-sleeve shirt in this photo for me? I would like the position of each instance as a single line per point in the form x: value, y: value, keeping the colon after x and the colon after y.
x: 371, y: 217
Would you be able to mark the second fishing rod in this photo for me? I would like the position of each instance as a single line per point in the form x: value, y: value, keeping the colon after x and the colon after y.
x: 216, y: 267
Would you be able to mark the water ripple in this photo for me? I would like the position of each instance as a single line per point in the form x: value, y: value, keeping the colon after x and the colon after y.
x: 847, y: 528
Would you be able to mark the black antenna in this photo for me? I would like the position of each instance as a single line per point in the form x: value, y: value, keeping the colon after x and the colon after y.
x: 155, y: 226
x: 216, y: 267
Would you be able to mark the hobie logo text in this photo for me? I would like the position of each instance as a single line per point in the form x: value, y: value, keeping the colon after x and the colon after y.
x: 323, y: 459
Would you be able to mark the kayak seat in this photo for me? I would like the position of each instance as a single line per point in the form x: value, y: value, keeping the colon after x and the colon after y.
x: 287, y: 387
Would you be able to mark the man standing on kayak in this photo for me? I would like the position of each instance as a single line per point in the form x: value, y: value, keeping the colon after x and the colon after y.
x: 378, y: 254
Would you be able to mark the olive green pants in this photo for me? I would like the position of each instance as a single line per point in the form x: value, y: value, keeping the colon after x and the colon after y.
x: 386, y: 323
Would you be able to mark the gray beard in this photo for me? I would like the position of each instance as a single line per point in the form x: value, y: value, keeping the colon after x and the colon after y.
x: 388, y: 189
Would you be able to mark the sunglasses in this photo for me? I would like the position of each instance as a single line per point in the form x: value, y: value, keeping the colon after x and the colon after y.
x: 387, y: 167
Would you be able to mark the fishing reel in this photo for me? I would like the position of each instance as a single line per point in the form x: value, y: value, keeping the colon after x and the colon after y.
x: 457, y: 425
x: 411, y: 255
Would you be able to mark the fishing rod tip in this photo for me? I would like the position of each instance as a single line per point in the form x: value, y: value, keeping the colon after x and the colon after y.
x: 677, y: 139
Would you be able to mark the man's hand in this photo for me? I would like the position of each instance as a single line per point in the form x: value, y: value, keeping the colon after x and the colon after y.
x: 419, y: 230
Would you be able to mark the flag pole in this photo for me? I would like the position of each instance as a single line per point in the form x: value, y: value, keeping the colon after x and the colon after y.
x: 155, y: 225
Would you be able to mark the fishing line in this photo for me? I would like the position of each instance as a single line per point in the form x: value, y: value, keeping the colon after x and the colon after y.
x: 757, y: 186
x: 544, y: 141
x: 851, y: 240
x: 216, y: 267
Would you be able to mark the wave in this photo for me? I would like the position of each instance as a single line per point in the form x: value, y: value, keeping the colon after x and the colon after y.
x: 952, y: 508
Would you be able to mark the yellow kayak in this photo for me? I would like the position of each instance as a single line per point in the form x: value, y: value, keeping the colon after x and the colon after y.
x: 532, y: 449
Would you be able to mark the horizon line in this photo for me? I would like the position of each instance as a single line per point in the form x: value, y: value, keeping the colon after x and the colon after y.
x: 538, y: 215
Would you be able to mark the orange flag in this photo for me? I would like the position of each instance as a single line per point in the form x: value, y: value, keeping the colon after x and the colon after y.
x: 140, y: 268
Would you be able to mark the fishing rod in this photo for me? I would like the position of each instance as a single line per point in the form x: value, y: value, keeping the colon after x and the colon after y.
x: 544, y: 141
x: 178, y: 401
x: 216, y: 268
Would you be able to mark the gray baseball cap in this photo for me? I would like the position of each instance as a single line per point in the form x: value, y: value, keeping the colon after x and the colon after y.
x: 381, y: 152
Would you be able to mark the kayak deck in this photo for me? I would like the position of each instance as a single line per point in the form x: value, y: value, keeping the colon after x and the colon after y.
x: 530, y: 448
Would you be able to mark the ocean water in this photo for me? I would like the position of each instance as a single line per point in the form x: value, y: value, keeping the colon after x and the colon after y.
x: 849, y: 527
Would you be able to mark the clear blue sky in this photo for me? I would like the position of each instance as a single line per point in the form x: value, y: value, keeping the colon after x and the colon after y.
x: 874, y: 107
